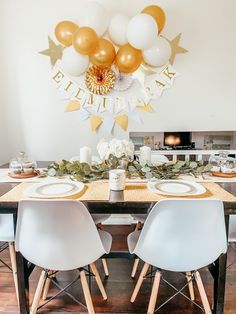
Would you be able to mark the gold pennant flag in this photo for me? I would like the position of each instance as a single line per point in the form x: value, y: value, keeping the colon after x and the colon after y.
x: 73, y: 105
x: 122, y: 120
x: 146, y: 107
x: 95, y: 121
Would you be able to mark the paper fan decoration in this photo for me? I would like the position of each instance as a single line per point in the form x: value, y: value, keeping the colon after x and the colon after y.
x: 100, y: 80
x: 123, y: 80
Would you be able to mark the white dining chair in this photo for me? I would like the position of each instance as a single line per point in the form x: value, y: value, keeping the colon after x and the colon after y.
x: 7, y: 235
x: 140, y: 218
x: 179, y: 235
x: 99, y: 219
x: 232, y: 228
x: 60, y: 235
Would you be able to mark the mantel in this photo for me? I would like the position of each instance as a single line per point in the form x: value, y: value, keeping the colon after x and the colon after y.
x: 189, y: 151
x: 199, y: 153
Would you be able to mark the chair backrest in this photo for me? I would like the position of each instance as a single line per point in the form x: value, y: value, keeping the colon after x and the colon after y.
x: 57, y: 234
x: 159, y: 158
x: 232, y: 228
x: 6, y: 228
x: 183, y: 234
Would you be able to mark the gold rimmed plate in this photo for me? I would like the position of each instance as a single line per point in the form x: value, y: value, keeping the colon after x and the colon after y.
x: 176, y: 187
x: 54, y: 189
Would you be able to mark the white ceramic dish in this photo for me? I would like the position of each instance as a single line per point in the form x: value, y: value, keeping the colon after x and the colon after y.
x: 176, y: 187
x: 54, y: 189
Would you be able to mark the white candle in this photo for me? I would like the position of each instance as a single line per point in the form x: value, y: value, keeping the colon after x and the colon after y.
x: 145, y: 155
x: 85, y: 155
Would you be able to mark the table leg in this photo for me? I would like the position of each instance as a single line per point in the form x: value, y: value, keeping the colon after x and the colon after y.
x: 220, y: 278
x: 23, y: 283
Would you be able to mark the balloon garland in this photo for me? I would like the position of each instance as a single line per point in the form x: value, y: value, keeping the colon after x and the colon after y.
x: 134, y: 50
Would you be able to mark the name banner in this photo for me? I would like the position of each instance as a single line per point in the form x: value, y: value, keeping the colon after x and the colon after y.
x: 111, y: 109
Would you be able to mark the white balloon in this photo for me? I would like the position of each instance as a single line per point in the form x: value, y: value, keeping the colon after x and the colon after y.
x: 117, y: 29
x: 142, y: 31
x: 94, y: 15
x: 74, y: 63
x: 159, y: 54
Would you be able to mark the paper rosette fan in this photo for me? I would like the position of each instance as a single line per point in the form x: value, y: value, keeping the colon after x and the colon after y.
x: 123, y: 80
x: 100, y: 80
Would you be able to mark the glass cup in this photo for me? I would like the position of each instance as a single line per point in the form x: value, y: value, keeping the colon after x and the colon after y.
x: 117, y: 179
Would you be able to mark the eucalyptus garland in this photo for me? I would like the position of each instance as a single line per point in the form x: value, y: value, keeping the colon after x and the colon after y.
x: 86, y: 173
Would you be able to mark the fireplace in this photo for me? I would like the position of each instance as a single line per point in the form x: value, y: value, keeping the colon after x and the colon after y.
x: 177, y: 140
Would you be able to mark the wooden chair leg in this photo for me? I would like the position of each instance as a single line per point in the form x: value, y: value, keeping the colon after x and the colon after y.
x: 153, y: 298
x: 190, y: 286
x: 98, y: 280
x: 13, y: 265
x: 138, y: 226
x: 86, y: 292
x: 104, y: 263
x: 135, y: 266
x: 139, y: 282
x: 202, y: 293
x: 46, y: 286
x: 136, y: 261
x: 38, y: 292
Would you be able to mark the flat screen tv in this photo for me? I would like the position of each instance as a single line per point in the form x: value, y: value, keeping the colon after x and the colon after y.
x: 175, y: 139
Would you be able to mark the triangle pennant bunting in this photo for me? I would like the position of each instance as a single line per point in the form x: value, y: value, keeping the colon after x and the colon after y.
x: 122, y: 120
x: 73, y: 105
x: 95, y: 122
x: 146, y: 107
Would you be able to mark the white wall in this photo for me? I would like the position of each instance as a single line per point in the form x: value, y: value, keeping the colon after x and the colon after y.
x: 11, y: 133
x: 31, y: 115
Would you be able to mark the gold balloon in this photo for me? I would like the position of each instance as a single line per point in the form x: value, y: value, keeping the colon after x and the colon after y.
x: 104, y: 54
x: 128, y: 58
x: 158, y: 14
x: 64, y: 32
x: 85, y: 40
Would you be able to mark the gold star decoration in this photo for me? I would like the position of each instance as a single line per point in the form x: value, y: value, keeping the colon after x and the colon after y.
x: 54, y: 51
x: 175, y: 47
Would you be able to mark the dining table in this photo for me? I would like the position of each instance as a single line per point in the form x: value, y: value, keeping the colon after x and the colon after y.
x: 135, y: 199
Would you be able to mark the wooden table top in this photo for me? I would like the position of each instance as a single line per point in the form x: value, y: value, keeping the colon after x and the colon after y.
x: 116, y: 202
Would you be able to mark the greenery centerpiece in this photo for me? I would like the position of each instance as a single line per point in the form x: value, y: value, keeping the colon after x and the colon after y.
x: 117, y: 154
x: 86, y: 173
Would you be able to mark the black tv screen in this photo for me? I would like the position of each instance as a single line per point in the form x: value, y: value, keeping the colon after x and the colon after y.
x: 177, y: 139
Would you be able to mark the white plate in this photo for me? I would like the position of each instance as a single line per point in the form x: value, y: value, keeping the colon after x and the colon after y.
x: 54, y: 189
x: 176, y: 187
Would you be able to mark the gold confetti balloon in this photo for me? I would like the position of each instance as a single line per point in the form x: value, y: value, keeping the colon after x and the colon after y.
x: 100, y: 80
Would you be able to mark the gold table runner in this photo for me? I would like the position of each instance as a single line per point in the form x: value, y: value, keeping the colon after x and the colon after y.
x: 135, y: 192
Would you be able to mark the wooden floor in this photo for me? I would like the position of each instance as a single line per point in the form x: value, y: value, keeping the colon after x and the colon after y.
x: 119, y: 287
